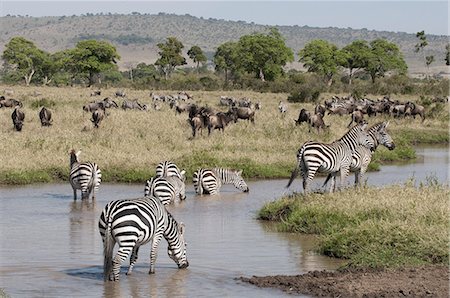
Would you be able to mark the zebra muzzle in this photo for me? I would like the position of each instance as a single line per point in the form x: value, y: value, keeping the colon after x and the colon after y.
x: 184, y: 265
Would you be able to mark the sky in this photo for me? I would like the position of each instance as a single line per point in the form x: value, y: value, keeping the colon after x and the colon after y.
x: 396, y: 16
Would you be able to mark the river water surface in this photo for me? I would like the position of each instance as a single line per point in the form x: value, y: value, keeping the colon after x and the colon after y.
x: 51, y: 247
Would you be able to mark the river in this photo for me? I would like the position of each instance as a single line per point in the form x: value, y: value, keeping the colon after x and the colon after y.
x: 50, y: 245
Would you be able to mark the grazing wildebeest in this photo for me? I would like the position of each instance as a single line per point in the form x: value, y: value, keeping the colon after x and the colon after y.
x: 302, y: 117
x: 197, y: 123
x: 46, y: 116
x: 98, y: 115
x: 18, y: 117
x: 219, y: 121
x: 338, y: 110
x: 243, y: 113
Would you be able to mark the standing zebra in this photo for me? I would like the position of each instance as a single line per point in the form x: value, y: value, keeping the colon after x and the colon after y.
x: 362, y: 156
x: 132, y: 223
x: 85, y: 176
x: 334, y: 158
x: 209, y: 181
x: 167, y: 189
x: 168, y: 169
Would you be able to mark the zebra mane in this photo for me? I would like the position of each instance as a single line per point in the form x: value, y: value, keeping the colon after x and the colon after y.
x: 355, y: 128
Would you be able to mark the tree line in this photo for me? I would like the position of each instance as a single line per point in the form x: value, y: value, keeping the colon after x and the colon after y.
x: 261, y: 56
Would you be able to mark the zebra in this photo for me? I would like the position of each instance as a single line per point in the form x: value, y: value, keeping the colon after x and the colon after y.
x: 209, y: 181
x: 85, y: 176
x: 167, y: 189
x: 167, y: 169
x: 334, y: 158
x: 362, y: 156
x: 135, y: 222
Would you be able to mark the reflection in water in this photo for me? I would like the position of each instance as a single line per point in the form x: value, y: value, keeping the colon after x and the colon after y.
x: 54, y: 249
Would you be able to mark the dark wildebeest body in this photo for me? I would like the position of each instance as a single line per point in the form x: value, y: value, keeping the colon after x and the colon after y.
x: 46, y: 116
x: 98, y: 115
x: 18, y: 117
x: 357, y: 117
x: 320, y: 109
x: 132, y: 105
x: 316, y: 121
x: 302, y: 117
x: 106, y: 102
x: 415, y: 109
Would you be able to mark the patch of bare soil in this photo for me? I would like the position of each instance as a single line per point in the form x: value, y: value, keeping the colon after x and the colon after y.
x: 426, y: 281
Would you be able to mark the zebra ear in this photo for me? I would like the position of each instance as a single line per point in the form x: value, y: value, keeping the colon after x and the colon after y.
x: 181, y: 228
x: 78, y: 154
x: 239, y: 172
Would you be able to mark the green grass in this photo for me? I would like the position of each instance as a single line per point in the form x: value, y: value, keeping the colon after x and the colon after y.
x: 372, y: 227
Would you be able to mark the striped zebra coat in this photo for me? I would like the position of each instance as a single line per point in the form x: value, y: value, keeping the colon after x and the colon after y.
x: 84, y: 176
x: 334, y: 158
x: 209, y: 181
x: 167, y: 189
x: 168, y: 169
x: 362, y: 156
x: 132, y: 223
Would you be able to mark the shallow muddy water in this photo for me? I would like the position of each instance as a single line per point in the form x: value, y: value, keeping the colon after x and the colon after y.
x: 50, y: 245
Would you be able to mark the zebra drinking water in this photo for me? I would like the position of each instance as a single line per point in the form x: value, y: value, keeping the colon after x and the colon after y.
x: 167, y: 189
x: 362, y: 156
x: 85, y: 176
x: 209, y: 181
x: 132, y: 223
x: 334, y: 158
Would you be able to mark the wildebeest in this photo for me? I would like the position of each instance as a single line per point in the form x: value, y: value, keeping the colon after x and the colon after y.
x: 18, y: 117
x: 106, y: 102
x: 338, y: 110
x: 243, y: 113
x: 46, y: 116
x: 415, y: 109
x: 316, y: 121
x: 10, y: 102
x: 219, y: 121
x: 357, y: 117
x: 197, y: 123
x: 320, y: 109
x: 98, y: 115
x: 132, y: 104
x: 302, y: 117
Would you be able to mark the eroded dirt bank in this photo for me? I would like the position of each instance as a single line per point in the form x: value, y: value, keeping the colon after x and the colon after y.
x: 426, y: 281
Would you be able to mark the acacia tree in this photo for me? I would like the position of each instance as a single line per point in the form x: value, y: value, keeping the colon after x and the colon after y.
x: 355, y: 56
x: 197, y: 55
x: 321, y: 57
x: 25, y: 57
x: 264, y: 54
x: 91, y: 57
x: 225, y: 58
x: 384, y: 56
x: 420, y: 47
x: 171, y: 57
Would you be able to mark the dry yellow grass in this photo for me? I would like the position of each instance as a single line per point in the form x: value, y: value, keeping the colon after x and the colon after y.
x: 137, y: 140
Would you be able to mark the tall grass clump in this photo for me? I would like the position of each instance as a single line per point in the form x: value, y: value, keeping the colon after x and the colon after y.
x: 372, y: 227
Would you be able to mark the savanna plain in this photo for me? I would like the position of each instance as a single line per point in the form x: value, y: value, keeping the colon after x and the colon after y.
x: 399, y: 230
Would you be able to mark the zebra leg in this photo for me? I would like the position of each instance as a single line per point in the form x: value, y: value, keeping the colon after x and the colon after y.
x: 357, y: 178
x: 333, y: 183
x: 344, y: 174
x: 307, y: 177
x: 122, y: 255
x: 154, y: 253
x: 133, y: 259
x: 74, y: 194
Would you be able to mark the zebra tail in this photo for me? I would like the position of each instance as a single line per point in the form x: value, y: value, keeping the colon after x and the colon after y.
x: 326, y: 180
x: 294, y: 175
x: 108, y: 246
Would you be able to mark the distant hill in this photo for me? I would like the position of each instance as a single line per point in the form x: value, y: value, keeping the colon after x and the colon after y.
x: 136, y: 35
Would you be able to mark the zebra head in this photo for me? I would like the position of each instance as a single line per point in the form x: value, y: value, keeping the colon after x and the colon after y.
x: 74, y: 157
x: 363, y: 137
x: 177, y: 247
x: 239, y: 182
x: 379, y: 132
